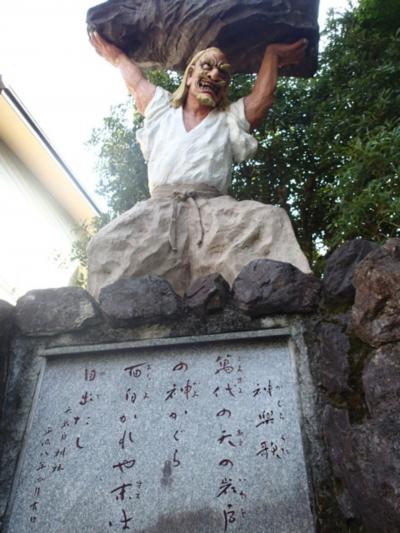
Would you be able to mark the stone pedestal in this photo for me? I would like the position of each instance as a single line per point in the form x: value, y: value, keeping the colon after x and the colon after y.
x: 209, y: 413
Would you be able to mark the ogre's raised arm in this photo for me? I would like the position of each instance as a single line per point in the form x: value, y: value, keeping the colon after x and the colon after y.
x: 262, y: 96
x: 138, y: 85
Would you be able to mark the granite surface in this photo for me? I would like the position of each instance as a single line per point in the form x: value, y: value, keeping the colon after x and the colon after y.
x: 197, y: 437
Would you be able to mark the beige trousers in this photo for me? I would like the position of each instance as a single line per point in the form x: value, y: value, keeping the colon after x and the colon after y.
x: 187, y: 233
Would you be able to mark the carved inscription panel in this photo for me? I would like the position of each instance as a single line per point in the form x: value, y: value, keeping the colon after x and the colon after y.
x: 196, y: 438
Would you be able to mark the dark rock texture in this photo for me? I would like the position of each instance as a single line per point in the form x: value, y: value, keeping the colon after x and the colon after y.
x: 362, y: 438
x: 376, y: 310
x: 336, y: 427
x: 139, y: 300
x: 167, y: 33
x: 7, y: 319
x: 339, y: 270
x: 366, y: 463
x: 23, y: 371
x: 381, y: 380
x: 6, y: 314
x: 52, y: 311
x: 207, y: 294
x: 268, y: 287
x: 334, y: 347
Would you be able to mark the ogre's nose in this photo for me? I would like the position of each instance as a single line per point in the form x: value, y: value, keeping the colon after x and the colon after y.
x: 214, y: 74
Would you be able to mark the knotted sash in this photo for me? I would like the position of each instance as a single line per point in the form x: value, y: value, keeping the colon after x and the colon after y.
x: 178, y: 195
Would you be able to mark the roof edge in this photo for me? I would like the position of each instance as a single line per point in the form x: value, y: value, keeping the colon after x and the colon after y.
x: 11, y: 95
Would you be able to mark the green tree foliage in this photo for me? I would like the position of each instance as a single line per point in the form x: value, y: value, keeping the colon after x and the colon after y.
x: 121, y: 167
x: 330, y: 148
x: 83, y: 234
x: 284, y: 171
x: 358, y: 123
x: 329, y: 151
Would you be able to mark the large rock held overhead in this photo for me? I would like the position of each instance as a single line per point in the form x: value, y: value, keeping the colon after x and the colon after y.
x: 167, y: 33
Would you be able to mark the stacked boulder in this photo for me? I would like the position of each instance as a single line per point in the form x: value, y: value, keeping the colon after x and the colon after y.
x: 360, y: 361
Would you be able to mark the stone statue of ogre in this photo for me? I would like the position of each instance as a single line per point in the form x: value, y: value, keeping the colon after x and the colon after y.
x: 190, y: 226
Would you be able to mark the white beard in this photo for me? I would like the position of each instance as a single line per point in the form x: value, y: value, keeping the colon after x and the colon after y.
x: 206, y: 99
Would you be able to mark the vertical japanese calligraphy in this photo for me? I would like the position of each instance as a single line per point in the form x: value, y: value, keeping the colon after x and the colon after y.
x: 125, y: 441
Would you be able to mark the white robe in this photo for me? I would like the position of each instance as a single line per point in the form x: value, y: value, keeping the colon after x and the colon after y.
x: 204, y: 155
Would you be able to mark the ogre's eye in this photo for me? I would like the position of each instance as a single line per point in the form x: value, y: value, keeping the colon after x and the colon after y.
x: 224, y: 69
x: 205, y: 65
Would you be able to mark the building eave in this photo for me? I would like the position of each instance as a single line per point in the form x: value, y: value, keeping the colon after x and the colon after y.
x: 24, y: 137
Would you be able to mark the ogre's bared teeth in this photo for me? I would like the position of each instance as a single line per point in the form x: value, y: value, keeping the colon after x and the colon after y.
x: 208, y: 86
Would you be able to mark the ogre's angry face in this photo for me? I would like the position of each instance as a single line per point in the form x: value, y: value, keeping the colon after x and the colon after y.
x: 209, y: 78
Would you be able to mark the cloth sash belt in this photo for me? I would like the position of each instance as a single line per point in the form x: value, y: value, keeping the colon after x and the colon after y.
x: 178, y: 194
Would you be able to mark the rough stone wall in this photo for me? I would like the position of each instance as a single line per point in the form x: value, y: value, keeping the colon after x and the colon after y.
x: 345, y: 334
x: 6, y: 332
x: 359, y: 361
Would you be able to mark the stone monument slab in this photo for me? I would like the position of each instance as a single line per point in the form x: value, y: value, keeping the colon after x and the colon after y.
x: 199, y: 436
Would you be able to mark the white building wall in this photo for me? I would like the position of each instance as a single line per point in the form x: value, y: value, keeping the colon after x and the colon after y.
x: 35, y: 232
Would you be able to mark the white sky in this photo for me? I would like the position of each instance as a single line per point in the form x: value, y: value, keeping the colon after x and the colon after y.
x: 45, y: 57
